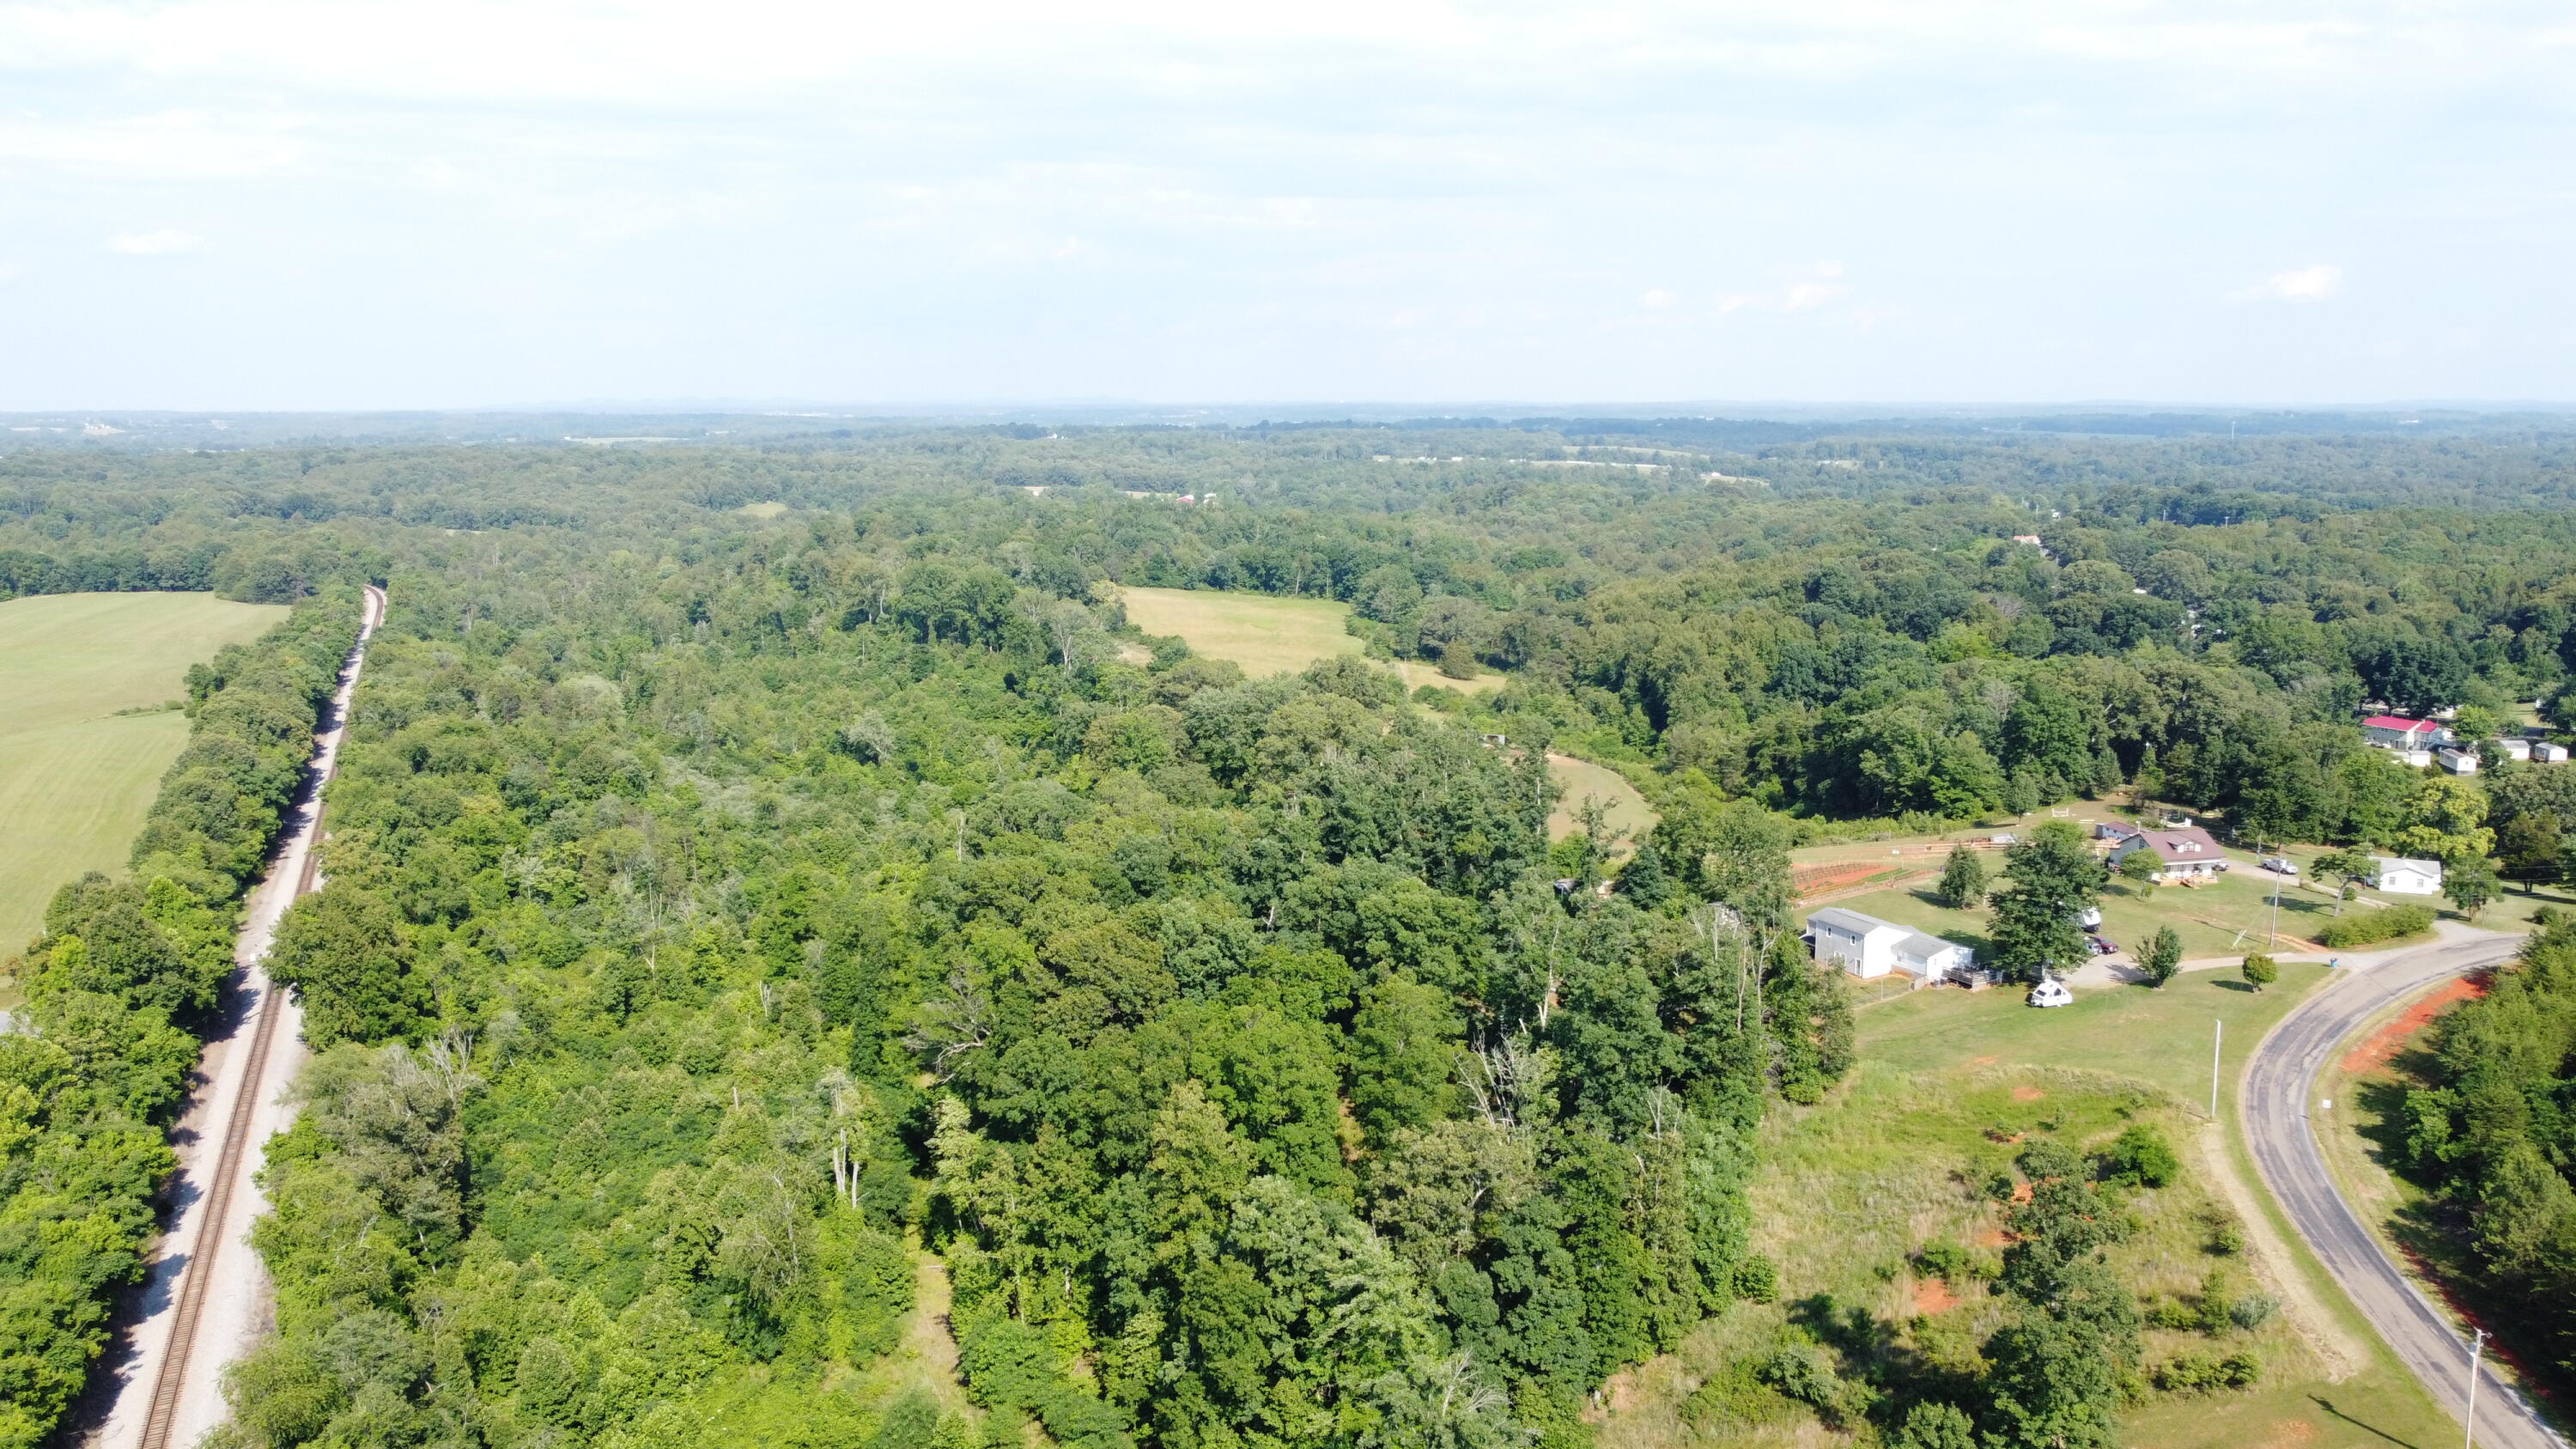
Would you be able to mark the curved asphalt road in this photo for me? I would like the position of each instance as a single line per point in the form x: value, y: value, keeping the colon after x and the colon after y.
x: 2278, y: 1091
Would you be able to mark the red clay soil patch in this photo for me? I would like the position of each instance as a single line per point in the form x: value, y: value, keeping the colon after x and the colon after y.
x: 1995, y: 1237
x: 2389, y: 1040
x: 1812, y: 882
x: 2289, y: 1433
x: 1983, y: 1061
x: 1932, y: 1295
x: 2021, y: 1192
x: 2027, y: 1094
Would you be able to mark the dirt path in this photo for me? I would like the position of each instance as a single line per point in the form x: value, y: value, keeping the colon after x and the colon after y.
x: 205, y: 1302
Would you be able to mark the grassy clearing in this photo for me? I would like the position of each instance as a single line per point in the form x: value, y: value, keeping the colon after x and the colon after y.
x: 1271, y: 635
x: 1896, y: 1159
x: 1581, y: 778
x: 76, y: 777
x: 771, y: 509
x: 1418, y: 674
x: 1264, y: 633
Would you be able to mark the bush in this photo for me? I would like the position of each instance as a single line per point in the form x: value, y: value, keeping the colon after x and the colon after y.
x: 2200, y: 1373
x: 1757, y: 1280
x: 2381, y: 925
x: 1734, y: 1401
x: 2253, y: 1311
x: 2140, y: 1157
x: 1948, y: 1261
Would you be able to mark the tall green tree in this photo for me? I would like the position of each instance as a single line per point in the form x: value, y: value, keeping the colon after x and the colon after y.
x: 2162, y: 957
x: 1963, y: 880
x: 344, y: 952
x: 2050, y: 880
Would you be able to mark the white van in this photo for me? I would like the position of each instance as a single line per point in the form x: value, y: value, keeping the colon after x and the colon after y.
x: 2051, y: 992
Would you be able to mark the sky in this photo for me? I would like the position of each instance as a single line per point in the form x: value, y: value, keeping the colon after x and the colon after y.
x: 324, y: 204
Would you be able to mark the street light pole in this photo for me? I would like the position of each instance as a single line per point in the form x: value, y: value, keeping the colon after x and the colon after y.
x: 2216, y: 1042
x: 2476, y: 1345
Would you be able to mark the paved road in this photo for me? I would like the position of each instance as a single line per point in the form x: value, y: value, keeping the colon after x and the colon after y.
x: 204, y: 1303
x: 2278, y: 1092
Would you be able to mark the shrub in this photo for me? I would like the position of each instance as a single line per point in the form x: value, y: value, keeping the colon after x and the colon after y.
x: 1734, y: 1400
x: 2381, y: 925
x: 1936, y: 1426
x: 2200, y: 1373
x: 2140, y: 1157
x: 1757, y: 1280
x: 2253, y: 1310
x: 1946, y: 1260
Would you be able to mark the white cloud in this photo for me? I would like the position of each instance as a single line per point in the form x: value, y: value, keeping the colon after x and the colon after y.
x: 1802, y: 289
x: 1657, y: 298
x: 2306, y: 284
x: 155, y: 243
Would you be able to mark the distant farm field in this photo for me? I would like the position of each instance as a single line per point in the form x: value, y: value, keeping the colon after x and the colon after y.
x: 1264, y: 633
x: 75, y: 777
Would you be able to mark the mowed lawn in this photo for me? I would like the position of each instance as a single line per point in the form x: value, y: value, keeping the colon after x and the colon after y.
x: 2230, y: 916
x: 75, y: 778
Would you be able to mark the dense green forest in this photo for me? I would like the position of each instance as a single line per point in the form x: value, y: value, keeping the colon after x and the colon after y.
x: 724, y: 900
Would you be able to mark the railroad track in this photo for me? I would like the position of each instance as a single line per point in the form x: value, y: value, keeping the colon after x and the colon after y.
x: 197, y: 1280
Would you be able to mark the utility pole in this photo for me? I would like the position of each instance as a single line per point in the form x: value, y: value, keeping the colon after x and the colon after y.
x: 2276, y: 911
x: 2476, y: 1345
x: 2216, y: 1043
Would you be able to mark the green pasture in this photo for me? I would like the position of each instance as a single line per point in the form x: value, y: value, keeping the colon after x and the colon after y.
x: 75, y: 776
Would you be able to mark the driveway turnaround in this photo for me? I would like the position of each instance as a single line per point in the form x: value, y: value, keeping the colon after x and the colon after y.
x: 2278, y: 1093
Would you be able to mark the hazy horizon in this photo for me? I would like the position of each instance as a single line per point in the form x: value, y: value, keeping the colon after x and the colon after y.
x: 267, y: 205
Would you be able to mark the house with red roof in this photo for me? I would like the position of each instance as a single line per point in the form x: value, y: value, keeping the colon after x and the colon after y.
x: 2397, y: 732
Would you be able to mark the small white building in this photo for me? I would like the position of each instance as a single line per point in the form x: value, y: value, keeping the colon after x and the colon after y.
x: 2545, y: 753
x: 1867, y: 947
x: 2051, y: 992
x: 2414, y: 759
x: 2397, y: 876
x: 2514, y: 747
x: 2189, y: 854
x: 2456, y: 761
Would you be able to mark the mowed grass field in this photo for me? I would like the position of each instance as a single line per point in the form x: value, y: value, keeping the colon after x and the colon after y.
x: 75, y: 777
x: 1895, y: 1159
